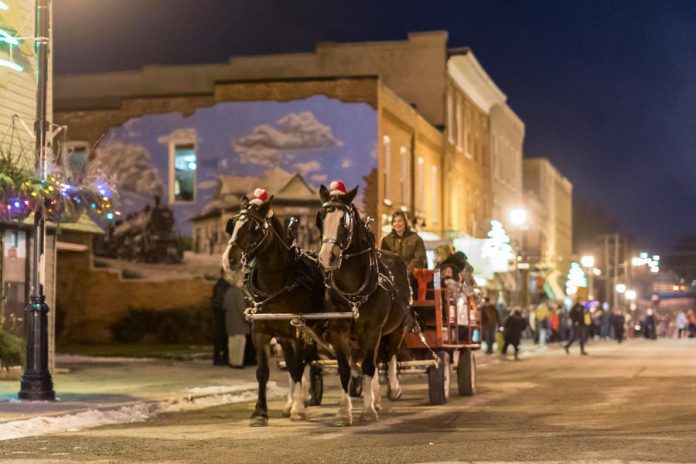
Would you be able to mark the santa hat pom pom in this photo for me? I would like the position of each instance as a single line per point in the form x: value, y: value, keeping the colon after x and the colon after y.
x: 337, y: 188
x: 260, y: 197
x: 261, y: 194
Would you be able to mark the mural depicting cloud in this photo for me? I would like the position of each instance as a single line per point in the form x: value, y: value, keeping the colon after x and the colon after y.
x: 293, y: 132
x: 346, y: 163
x: 309, y: 166
x: 320, y: 177
x: 130, y: 166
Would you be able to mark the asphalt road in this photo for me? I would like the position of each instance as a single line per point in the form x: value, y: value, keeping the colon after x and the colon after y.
x: 630, y: 402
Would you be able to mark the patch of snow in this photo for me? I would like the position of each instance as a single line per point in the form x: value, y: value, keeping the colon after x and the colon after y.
x: 198, y: 398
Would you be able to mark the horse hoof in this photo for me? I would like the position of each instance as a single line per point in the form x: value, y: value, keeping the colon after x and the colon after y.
x: 258, y: 421
x: 344, y: 422
x: 395, y: 394
x: 369, y: 416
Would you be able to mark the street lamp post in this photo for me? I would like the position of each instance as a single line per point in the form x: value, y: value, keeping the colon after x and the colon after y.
x: 37, y: 383
x: 588, y: 263
x: 518, y: 219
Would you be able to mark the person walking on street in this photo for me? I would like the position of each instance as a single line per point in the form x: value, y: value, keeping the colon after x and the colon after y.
x: 682, y: 324
x: 577, y: 317
x: 490, y: 321
x: 555, y: 325
x: 220, y: 348
x: 514, y: 326
x: 541, y: 315
x: 619, y: 325
x: 235, y: 322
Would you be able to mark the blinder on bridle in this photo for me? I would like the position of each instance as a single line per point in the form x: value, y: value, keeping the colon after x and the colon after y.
x: 260, y: 224
x: 342, y: 241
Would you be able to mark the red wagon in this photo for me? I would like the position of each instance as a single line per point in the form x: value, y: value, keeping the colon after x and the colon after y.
x: 451, y: 324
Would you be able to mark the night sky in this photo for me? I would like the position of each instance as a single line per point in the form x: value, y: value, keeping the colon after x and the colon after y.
x: 607, y: 89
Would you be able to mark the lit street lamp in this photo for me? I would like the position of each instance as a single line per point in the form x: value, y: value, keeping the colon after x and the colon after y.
x: 630, y: 294
x: 588, y: 263
x: 518, y: 219
x: 620, y: 288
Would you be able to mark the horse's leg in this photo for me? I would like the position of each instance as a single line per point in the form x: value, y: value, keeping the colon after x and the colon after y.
x: 306, y: 390
x: 296, y: 369
x: 395, y: 339
x: 288, y: 355
x: 345, y: 410
x: 260, y: 415
x: 370, y: 382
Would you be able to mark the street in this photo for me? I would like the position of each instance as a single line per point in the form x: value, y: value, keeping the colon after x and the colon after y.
x: 629, y: 402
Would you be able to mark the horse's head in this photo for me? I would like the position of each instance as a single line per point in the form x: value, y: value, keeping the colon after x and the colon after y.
x: 336, y: 220
x: 249, y: 229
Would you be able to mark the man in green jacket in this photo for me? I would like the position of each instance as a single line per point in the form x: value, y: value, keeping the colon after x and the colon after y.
x: 405, y: 242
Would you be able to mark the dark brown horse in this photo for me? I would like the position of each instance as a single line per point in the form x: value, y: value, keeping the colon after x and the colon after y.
x: 280, y: 280
x: 373, y: 284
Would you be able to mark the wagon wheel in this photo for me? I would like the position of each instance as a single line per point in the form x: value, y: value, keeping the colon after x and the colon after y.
x: 436, y: 379
x: 466, y: 373
x: 355, y: 386
x: 316, y: 385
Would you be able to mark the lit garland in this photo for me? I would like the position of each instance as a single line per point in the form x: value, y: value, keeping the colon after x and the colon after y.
x: 22, y: 193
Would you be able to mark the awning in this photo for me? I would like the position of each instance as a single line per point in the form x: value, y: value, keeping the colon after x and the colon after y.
x: 83, y: 225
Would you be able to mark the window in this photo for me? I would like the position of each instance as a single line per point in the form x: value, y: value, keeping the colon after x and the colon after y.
x: 420, y: 184
x: 450, y: 116
x: 75, y: 161
x: 386, y: 142
x: 404, y: 175
x: 183, y: 188
x: 458, y: 122
x: 436, y: 189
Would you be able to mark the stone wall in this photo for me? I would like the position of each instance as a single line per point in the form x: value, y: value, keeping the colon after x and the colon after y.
x: 90, y: 300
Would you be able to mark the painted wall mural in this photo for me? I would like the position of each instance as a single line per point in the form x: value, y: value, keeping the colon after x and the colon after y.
x: 180, y: 159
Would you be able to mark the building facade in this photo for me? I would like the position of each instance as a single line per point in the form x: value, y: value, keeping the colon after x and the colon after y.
x: 549, y: 196
x: 17, y: 114
x: 506, y: 141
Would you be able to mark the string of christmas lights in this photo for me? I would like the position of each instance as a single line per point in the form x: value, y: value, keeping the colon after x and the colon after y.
x: 22, y: 194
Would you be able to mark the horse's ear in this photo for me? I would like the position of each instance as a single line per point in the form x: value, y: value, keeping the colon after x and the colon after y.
x: 324, y: 194
x: 229, y: 228
x: 245, y: 202
x: 318, y: 222
x: 349, y: 196
x: 266, y: 207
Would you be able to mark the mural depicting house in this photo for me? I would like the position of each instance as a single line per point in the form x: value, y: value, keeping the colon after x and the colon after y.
x: 293, y: 197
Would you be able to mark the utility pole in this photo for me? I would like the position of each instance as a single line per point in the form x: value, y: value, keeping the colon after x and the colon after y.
x: 37, y: 383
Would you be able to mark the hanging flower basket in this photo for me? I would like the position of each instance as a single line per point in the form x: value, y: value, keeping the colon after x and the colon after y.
x: 22, y: 193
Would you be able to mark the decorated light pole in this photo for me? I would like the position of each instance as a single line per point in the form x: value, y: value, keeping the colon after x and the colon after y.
x: 37, y: 383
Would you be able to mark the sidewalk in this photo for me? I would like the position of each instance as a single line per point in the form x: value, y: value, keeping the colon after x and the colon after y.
x: 94, y: 391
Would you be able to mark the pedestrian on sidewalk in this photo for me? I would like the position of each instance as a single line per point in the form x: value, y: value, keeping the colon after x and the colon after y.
x: 682, y: 324
x: 490, y: 321
x: 619, y: 323
x: 555, y: 325
x: 235, y: 322
x: 514, y: 326
x: 220, y: 348
x: 577, y: 318
x: 541, y: 316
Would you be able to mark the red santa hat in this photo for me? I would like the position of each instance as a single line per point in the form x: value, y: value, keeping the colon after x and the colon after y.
x: 337, y: 188
x: 260, y: 197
